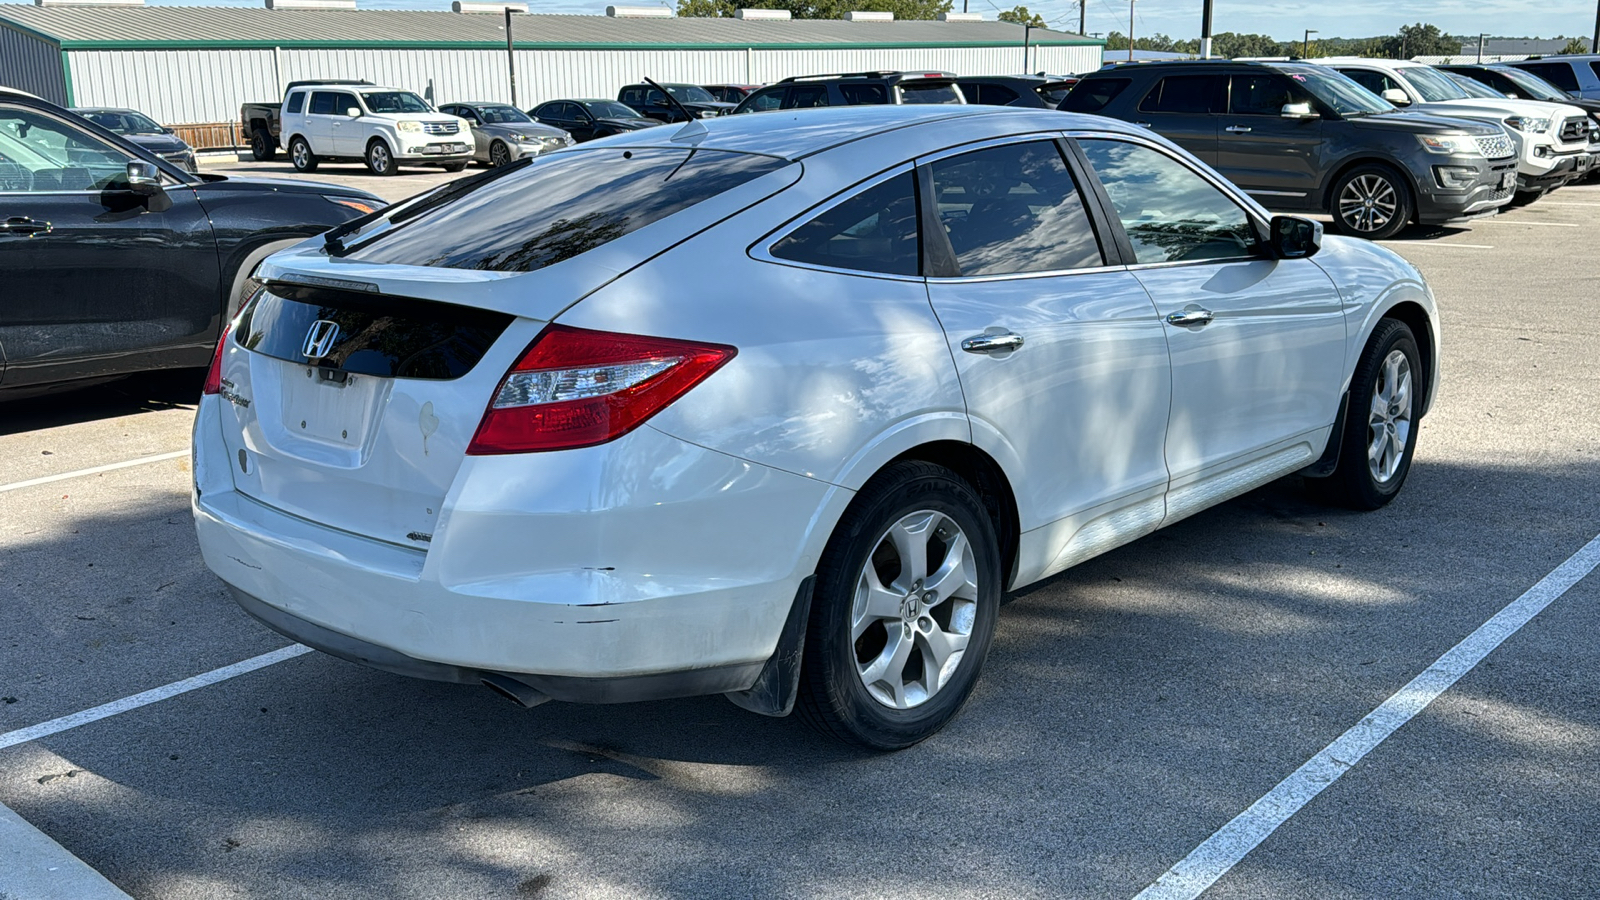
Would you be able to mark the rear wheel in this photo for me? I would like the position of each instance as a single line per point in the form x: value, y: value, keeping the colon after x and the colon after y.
x: 907, y: 594
x: 1380, y: 430
x: 1371, y: 201
x: 300, y: 154
x: 262, y: 146
x: 380, y: 161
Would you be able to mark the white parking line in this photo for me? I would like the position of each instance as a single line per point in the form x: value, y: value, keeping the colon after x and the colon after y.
x: 1543, y: 224
x: 1435, y: 244
x: 109, y: 467
x: 1223, y: 850
x: 154, y: 695
x: 1567, y: 203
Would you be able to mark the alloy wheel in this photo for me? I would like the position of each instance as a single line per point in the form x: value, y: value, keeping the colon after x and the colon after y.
x: 379, y: 154
x: 301, y: 154
x: 1389, y: 421
x: 915, y: 604
x: 1368, y: 202
x: 498, y: 155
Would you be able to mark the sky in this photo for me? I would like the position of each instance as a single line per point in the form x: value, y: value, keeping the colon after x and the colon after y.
x: 1283, y: 19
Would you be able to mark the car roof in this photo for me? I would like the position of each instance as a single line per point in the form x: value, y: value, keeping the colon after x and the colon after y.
x: 1370, y: 61
x: 798, y: 133
x: 1167, y: 65
x: 478, y: 103
x: 105, y: 109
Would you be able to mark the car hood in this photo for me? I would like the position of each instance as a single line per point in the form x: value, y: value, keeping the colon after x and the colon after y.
x: 1484, y: 106
x: 1418, y: 121
x: 158, y: 143
x: 211, y: 183
x: 425, y: 118
x: 509, y: 129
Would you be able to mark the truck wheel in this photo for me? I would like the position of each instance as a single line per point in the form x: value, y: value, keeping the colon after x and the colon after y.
x: 262, y: 146
x: 379, y: 159
x: 1372, y: 202
x: 300, y: 154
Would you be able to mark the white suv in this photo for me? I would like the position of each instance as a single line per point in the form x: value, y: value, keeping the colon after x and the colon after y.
x: 1552, y: 138
x: 381, y: 126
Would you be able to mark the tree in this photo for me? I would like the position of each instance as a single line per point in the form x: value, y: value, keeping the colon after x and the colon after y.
x: 1420, y: 40
x: 1574, y: 45
x: 1232, y: 45
x: 821, y: 9
x: 1021, y: 16
x: 706, y: 9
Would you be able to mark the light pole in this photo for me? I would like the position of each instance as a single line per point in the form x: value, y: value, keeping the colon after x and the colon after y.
x: 1205, y: 29
x: 1480, y: 47
x: 1305, y: 45
x: 1130, y: 29
x: 1083, y: 15
x: 511, y: 58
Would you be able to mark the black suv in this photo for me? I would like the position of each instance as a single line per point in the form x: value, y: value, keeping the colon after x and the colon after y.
x: 1031, y: 91
x: 854, y: 89
x: 1303, y: 137
x: 651, y: 104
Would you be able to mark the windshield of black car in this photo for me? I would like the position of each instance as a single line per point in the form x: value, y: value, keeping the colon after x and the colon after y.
x: 1432, y: 85
x: 381, y: 102
x: 688, y: 93
x: 502, y: 115
x: 1340, y: 94
x: 1535, y: 87
x: 1474, y: 88
x: 560, y: 206
x: 609, y: 109
x: 126, y: 123
x: 929, y: 92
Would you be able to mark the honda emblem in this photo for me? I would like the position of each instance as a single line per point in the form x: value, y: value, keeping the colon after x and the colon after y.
x: 320, y: 338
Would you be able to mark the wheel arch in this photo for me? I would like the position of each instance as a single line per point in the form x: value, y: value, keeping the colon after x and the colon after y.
x: 1325, y: 202
x: 984, y: 474
x: 1416, y: 318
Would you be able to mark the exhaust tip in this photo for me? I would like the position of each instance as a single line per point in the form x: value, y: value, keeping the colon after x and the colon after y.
x: 522, y: 694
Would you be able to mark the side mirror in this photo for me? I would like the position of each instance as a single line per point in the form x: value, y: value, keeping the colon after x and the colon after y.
x: 1396, y: 97
x: 144, y: 178
x: 1294, y: 237
x: 1297, y: 111
x: 353, y: 112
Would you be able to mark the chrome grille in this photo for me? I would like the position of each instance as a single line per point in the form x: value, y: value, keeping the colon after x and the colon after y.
x: 1575, y: 128
x: 440, y: 127
x: 1495, y: 146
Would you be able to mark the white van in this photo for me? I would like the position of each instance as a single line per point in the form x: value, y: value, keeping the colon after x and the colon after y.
x: 384, y: 127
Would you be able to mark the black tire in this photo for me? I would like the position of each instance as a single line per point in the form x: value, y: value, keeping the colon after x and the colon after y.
x: 380, y: 159
x: 454, y: 167
x: 1354, y: 484
x: 834, y: 696
x: 301, y: 156
x: 499, y: 154
x: 1391, y: 207
x: 1523, y: 198
x: 262, y: 146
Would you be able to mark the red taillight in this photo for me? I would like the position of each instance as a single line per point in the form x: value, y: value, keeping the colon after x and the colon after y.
x: 214, y: 377
x: 577, y: 388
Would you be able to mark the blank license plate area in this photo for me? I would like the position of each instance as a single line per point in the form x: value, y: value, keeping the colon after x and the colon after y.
x: 317, y: 409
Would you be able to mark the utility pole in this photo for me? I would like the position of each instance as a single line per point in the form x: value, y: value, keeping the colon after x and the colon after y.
x: 1083, y: 15
x: 1480, y: 47
x: 1027, y: 30
x: 1205, y: 29
x: 1130, y: 29
x: 511, y: 58
x: 1594, y: 45
x: 1305, y: 45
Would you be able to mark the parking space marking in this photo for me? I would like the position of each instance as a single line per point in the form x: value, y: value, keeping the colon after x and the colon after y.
x: 154, y: 695
x: 1225, y: 848
x: 1544, y: 224
x: 109, y: 467
x: 1567, y: 203
x: 1435, y: 244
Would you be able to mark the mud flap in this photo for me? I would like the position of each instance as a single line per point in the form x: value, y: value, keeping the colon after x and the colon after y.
x: 776, y: 687
x: 1324, y: 467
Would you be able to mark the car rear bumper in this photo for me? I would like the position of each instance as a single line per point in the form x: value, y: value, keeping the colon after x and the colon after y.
x: 634, y: 560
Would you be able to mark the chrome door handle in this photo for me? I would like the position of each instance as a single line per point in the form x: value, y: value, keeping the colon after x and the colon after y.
x: 1004, y: 342
x: 1238, y: 129
x: 1192, y: 316
x: 24, y: 225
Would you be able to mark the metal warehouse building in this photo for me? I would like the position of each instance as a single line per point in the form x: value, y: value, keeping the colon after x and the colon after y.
x: 187, y: 64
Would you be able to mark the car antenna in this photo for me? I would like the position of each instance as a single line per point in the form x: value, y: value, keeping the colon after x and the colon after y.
x: 692, y: 126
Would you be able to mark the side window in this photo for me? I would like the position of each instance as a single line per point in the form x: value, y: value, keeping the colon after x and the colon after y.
x: 1557, y: 73
x: 342, y: 102
x: 1264, y: 95
x: 1093, y: 94
x: 1170, y: 213
x: 1375, y: 82
x: 654, y: 97
x: 297, y: 101
x: 864, y: 94
x: 630, y: 96
x: 1014, y: 209
x: 997, y: 95
x: 768, y: 100
x: 41, y: 155
x: 873, y: 231
x: 323, y: 103
x: 1594, y: 66
x: 971, y: 91
x: 1185, y: 94
x: 806, y: 97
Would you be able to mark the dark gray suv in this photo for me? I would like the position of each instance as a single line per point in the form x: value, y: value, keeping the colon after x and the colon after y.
x: 1302, y: 137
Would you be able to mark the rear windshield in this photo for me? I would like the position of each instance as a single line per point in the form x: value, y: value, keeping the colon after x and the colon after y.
x: 561, y: 206
x: 929, y: 92
x: 1092, y: 94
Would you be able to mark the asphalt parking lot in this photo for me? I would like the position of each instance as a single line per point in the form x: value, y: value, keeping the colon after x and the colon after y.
x: 1130, y: 708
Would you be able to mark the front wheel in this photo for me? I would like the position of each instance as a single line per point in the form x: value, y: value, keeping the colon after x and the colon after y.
x: 1380, y: 429
x: 907, y: 594
x: 379, y: 160
x: 1371, y: 202
x: 499, y: 154
x: 300, y: 154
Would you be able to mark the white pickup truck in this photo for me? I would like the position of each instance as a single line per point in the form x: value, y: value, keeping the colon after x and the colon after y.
x: 384, y: 127
x: 1552, y: 139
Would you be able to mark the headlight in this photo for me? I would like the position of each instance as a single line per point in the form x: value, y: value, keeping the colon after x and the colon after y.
x: 1528, y: 124
x: 1456, y: 144
x: 409, y: 126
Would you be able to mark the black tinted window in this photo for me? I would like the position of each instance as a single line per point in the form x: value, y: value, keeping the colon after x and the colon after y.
x: 323, y: 103
x: 1595, y: 68
x: 1184, y: 94
x: 1265, y: 94
x: 864, y: 94
x: 762, y: 101
x: 806, y: 97
x: 929, y: 92
x: 1092, y: 94
x: 1170, y: 213
x: 297, y: 101
x: 1014, y: 209
x: 873, y: 231
x: 561, y: 206
x: 1558, y: 74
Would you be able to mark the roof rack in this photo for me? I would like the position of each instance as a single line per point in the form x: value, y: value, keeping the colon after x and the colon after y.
x: 920, y: 73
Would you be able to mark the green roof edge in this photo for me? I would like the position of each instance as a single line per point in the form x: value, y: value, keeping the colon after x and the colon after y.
x: 525, y: 45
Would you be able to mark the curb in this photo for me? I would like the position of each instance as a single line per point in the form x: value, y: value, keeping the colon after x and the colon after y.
x: 34, y: 867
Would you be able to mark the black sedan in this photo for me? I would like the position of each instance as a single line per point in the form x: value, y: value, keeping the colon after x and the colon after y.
x: 142, y: 130
x: 117, y: 261
x: 651, y: 102
x: 586, y: 120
